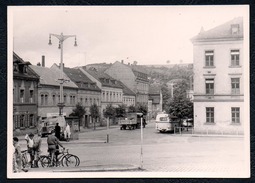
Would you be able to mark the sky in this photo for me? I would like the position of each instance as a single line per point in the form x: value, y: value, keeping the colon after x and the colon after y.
x: 150, y: 35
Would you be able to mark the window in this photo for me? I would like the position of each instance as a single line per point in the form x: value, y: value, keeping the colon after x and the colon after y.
x: 46, y: 99
x: 209, y: 86
x: 235, y: 28
x: 235, y: 56
x: 54, y: 99
x: 42, y: 99
x: 81, y: 100
x: 22, y: 121
x: 31, y: 97
x: 64, y: 98
x: 209, y: 58
x: 22, y: 95
x: 235, y: 85
x: 235, y: 114
x: 31, y: 120
x: 209, y: 115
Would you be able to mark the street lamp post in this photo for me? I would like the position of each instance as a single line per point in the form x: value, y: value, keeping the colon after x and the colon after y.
x: 61, y: 39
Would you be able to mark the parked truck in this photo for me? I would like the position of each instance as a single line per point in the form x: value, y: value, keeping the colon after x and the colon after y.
x: 132, y: 121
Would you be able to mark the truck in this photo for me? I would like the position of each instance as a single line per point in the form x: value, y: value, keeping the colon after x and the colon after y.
x: 48, y: 125
x: 132, y: 121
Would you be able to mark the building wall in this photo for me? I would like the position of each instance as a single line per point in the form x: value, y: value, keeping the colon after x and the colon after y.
x: 222, y: 115
x: 47, y: 103
x: 129, y: 100
x: 24, y: 105
x: 222, y: 72
x: 112, y: 96
x: 222, y: 99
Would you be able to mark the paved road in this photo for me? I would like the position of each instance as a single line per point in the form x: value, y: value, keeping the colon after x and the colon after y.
x: 162, y: 152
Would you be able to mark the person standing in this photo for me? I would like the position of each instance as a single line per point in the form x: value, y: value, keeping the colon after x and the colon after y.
x: 30, y: 147
x: 53, y: 144
x: 37, y: 149
x: 17, y: 155
x: 67, y: 132
x: 57, y: 131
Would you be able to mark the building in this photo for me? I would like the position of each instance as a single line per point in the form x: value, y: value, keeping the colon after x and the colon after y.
x: 88, y: 92
x: 128, y: 96
x: 49, y: 92
x: 111, y: 89
x: 25, y: 95
x: 219, y: 79
x: 155, y: 101
x: 134, y: 77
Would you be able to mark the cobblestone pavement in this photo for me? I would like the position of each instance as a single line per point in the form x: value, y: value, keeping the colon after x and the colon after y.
x: 222, y: 156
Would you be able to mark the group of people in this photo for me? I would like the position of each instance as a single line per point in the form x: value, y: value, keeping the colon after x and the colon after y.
x: 34, y: 148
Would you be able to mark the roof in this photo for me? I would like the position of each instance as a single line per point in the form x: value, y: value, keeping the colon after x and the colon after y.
x: 50, y: 76
x: 126, y: 90
x: 221, y: 32
x: 81, y: 80
x: 30, y: 74
x: 104, y: 78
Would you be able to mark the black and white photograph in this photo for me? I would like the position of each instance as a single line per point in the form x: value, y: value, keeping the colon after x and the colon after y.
x: 128, y: 91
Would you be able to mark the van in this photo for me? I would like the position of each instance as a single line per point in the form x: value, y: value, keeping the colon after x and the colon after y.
x: 166, y: 122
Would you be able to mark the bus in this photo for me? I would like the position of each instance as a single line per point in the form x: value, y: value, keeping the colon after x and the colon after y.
x: 166, y: 122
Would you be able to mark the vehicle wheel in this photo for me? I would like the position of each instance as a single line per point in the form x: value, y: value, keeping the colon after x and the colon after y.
x: 120, y: 128
x: 44, y: 161
x: 71, y: 160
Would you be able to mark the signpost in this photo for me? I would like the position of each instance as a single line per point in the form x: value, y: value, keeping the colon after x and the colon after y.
x: 141, y: 156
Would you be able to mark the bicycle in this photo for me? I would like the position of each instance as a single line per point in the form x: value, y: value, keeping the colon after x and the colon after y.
x: 64, y: 159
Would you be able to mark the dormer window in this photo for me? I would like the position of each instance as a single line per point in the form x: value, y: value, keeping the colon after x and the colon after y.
x: 15, y: 67
x: 235, y: 28
x: 25, y: 69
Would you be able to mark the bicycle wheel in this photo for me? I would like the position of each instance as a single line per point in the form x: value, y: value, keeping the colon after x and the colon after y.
x: 44, y: 161
x: 72, y: 160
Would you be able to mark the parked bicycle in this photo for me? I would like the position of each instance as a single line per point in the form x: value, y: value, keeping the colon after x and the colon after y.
x: 64, y: 158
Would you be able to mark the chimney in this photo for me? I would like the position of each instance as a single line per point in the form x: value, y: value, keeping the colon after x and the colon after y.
x: 43, y: 61
x: 122, y: 61
x: 128, y: 63
x: 62, y: 64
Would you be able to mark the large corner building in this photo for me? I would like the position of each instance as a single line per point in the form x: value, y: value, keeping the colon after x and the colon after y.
x: 219, y: 79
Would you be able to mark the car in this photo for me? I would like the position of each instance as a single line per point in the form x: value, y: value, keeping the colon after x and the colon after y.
x: 188, y: 122
x: 46, y: 130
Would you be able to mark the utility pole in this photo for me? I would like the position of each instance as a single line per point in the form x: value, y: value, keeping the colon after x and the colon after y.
x: 61, y: 39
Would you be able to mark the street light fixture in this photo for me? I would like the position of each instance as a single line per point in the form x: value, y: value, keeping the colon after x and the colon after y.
x: 61, y: 39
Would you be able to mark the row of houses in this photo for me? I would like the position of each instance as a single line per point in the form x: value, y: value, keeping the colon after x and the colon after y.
x: 36, y: 92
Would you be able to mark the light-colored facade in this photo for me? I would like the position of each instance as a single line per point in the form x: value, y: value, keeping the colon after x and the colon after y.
x: 49, y: 92
x: 219, y: 79
x: 88, y: 92
x: 134, y: 77
x: 111, y: 90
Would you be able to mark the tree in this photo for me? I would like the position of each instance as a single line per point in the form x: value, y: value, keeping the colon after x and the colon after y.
x: 94, y: 112
x: 180, y: 107
x: 78, y: 111
x: 109, y: 112
x: 143, y: 109
x: 131, y: 108
x: 120, y: 111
